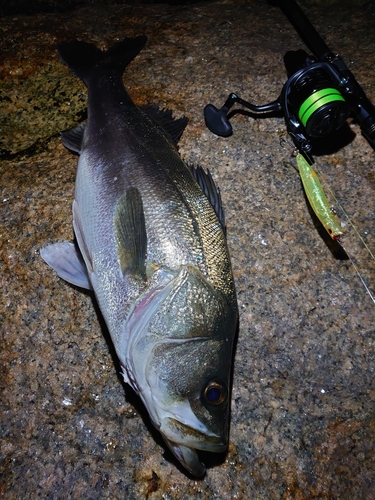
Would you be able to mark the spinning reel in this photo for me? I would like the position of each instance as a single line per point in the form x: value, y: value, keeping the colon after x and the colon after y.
x: 316, y: 100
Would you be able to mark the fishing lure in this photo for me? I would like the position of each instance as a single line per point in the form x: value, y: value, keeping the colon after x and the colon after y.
x: 317, y: 198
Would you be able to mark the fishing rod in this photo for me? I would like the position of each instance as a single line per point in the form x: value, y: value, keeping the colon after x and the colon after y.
x: 316, y: 100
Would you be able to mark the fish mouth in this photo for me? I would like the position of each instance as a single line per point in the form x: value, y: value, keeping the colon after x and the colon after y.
x: 184, y: 441
x: 188, y: 457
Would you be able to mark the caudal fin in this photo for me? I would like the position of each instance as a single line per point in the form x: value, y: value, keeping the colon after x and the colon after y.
x: 85, y: 58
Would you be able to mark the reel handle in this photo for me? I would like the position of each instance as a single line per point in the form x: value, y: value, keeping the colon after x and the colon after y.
x: 217, y: 121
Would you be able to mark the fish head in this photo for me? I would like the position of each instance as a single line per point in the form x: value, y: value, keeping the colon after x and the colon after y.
x: 181, y: 365
x: 194, y: 414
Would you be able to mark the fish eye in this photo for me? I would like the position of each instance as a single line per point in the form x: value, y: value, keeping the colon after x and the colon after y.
x: 215, y: 393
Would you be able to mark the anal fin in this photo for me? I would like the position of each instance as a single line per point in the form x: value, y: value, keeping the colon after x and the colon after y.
x: 72, y: 139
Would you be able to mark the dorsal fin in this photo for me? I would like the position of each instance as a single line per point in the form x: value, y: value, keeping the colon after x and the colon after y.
x: 209, y: 188
x: 130, y: 233
x: 164, y: 119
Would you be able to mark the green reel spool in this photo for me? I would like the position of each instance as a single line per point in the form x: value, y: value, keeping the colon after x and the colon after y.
x: 323, y: 111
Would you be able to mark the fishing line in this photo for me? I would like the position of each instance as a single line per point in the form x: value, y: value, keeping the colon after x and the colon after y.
x: 358, y: 273
x: 327, y: 220
x: 346, y: 215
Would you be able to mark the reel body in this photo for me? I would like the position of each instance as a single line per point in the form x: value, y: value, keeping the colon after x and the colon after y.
x: 315, y: 97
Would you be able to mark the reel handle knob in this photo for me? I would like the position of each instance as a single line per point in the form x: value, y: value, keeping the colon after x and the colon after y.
x: 217, y: 121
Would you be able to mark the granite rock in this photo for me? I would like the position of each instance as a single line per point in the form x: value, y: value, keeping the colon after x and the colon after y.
x: 303, y: 402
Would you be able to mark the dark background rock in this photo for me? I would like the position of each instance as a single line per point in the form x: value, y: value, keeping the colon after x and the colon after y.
x: 27, y: 7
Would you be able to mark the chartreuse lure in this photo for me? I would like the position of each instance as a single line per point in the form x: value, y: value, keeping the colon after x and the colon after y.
x: 317, y: 198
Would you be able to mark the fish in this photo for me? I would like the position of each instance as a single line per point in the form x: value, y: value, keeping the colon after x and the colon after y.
x: 150, y: 241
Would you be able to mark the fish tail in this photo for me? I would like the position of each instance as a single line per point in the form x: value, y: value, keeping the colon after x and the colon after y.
x: 86, y: 60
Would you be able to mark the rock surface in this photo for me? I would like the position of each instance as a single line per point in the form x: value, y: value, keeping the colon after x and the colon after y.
x: 303, y: 402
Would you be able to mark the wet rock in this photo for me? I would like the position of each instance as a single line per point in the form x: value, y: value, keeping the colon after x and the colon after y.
x: 303, y: 392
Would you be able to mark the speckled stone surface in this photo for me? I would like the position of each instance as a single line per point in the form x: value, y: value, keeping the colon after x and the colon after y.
x: 303, y: 409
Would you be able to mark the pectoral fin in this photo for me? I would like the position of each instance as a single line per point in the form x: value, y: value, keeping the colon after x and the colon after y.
x: 67, y: 261
x: 130, y: 233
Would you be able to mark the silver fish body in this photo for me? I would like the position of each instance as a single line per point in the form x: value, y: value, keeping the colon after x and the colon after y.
x: 152, y: 246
